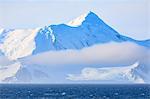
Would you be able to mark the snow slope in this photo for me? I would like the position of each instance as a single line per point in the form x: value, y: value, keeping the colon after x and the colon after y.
x: 9, y: 71
x: 78, y: 21
x: 17, y: 43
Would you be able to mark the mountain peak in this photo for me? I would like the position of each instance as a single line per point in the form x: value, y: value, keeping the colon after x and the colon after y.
x: 93, y: 18
x: 90, y: 13
x: 89, y: 17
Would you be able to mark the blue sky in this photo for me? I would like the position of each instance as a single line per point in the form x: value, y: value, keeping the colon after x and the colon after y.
x: 129, y: 17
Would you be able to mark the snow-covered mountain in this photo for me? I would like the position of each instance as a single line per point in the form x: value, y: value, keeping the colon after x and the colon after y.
x: 85, y: 31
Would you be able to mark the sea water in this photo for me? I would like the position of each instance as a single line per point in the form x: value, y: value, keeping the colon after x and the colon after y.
x: 74, y: 91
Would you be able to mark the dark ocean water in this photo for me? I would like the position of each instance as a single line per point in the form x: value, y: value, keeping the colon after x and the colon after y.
x: 74, y: 91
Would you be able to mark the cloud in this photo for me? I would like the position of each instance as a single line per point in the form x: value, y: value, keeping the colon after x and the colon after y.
x: 111, y: 54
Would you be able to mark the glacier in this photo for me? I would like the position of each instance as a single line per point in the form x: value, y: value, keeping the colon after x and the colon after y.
x: 85, y: 31
x: 120, y: 74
